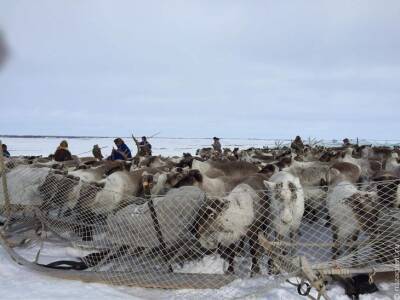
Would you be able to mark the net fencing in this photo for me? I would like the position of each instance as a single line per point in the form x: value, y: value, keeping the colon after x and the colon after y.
x: 185, y: 238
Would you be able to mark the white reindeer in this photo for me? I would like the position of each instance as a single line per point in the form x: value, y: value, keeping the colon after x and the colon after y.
x: 345, y: 225
x: 244, y: 212
x: 287, y: 203
x: 392, y: 164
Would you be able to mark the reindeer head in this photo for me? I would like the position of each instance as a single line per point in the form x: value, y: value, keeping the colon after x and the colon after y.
x: 286, y: 204
x: 328, y: 156
x: 186, y: 161
x: 206, y: 225
x: 364, y: 206
x: 185, y: 178
x: 395, y: 156
x: 226, y: 220
x: 269, y: 170
x: 388, y: 189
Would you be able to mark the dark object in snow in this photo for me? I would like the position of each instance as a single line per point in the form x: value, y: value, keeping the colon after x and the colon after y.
x: 358, y: 285
x: 66, y: 265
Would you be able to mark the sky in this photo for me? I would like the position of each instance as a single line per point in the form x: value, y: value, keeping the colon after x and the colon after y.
x: 265, y: 69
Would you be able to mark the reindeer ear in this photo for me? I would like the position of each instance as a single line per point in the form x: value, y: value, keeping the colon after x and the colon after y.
x: 269, y: 185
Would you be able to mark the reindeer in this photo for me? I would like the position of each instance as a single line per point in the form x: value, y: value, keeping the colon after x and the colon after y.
x: 245, y: 213
x: 345, y: 227
x: 392, y: 164
x: 379, y: 218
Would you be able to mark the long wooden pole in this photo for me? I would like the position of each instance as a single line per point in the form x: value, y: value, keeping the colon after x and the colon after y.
x: 157, y: 227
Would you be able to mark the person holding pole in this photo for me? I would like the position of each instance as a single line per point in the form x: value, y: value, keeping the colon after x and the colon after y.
x: 122, y: 152
x: 144, y: 147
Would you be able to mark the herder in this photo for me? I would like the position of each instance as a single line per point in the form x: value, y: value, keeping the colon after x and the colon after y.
x: 122, y: 152
x: 96, y: 151
x: 144, y: 147
x: 216, y: 145
x: 62, y: 153
x: 297, y: 145
x: 5, y: 151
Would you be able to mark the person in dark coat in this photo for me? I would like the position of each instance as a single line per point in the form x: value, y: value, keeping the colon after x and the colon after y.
x: 144, y: 147
x: 122, y: 152
x: 96, y: 151
x: 216, y: 145
x: 346, y: 143
x: 62, y: 153
x: 5, y: 151
x: 297, y: 145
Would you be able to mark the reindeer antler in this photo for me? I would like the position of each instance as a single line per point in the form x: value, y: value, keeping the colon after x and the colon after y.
x: 137, y: 146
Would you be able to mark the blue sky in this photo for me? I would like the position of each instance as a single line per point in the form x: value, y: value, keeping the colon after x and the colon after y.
x: 271, y: 69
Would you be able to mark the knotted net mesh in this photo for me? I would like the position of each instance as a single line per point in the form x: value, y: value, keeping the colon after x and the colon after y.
x: 186, y: 238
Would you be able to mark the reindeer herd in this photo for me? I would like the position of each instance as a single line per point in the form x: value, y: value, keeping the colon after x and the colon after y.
x: 224, y: 202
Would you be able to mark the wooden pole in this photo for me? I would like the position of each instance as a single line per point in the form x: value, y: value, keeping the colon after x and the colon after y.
x: 7, y: 205
x: 147, y: 192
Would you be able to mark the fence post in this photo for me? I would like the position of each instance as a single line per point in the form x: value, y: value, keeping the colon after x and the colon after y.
x: 7, y: 205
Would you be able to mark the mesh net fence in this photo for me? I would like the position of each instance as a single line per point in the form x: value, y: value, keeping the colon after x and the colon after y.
x: 186, y: 238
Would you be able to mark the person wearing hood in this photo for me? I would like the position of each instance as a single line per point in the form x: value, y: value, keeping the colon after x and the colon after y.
x: 346, y: 143
x: 297, y: 145
x: 5, y: 151
x: 96, y: 151
x: 216, y: 145
x: 62, y: 153
x: 144, y: 147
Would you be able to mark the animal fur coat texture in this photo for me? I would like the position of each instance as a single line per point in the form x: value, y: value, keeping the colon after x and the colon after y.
x: 176, y: 211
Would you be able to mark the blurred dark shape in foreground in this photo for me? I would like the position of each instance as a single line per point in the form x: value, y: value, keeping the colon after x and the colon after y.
x: 3, y: 49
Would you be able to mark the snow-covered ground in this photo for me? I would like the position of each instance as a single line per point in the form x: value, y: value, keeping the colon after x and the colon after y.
x: 18, y: 282
x: 83, y: 146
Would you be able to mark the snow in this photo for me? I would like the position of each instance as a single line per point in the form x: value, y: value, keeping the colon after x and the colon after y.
x: 78, y: 146
x: 18, y: 282
x: 208, y: 264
